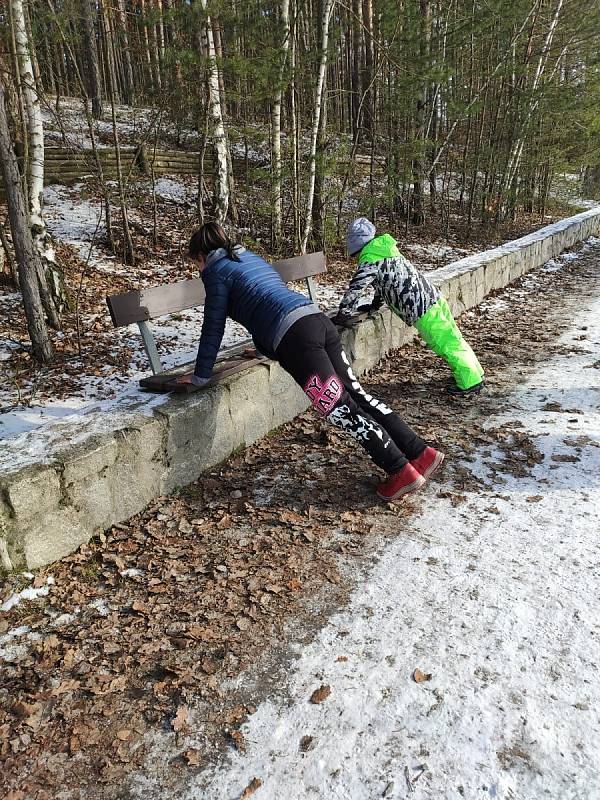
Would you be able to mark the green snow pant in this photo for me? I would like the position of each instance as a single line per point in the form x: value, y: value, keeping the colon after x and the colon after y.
x: 439, y: 330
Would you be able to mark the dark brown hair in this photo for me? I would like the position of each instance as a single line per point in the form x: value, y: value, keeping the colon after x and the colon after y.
x: 211, y: 236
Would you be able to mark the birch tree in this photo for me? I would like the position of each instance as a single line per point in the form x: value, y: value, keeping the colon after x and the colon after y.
x: 216, y: 124
x: 517, y: 149
x: 128, y: 80
x: 51, y: 283
x: 128, y: 248
x: 318, y: 108
x: 25, y: 253
x: 94, y: 80
x: 276, y: 124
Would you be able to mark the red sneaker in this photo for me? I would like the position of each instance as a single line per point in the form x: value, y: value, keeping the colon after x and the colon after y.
x: 427, y: 463
x: 402, y: 482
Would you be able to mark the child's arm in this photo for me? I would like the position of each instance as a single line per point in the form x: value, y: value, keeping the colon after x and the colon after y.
x: 377, y: 301
x: 361, y: 281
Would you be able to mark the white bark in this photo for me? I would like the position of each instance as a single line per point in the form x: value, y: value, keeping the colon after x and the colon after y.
x: 35, y: 176
x: 216, y: 126
x: 25, y: 254
x: 295, y: 142
x: 327, y: 8
x: 160, y: 31
x: 276, y: 123
x: 146, y: 42
x: 129, y: 87
x: 51, y: 282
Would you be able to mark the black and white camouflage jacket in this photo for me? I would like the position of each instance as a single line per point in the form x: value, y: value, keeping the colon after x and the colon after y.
x: 397, y: 283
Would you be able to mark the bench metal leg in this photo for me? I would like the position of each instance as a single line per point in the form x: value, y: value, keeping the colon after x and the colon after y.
x: 312, y: 290
x: 150, y: 346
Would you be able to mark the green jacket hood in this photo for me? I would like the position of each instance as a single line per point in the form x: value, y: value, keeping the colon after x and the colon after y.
x: 379, y: 248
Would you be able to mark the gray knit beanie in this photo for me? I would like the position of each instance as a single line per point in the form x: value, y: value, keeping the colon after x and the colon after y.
x: 360, y: 232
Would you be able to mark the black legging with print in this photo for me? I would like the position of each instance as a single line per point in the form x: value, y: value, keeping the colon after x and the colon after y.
x: 311, y: 351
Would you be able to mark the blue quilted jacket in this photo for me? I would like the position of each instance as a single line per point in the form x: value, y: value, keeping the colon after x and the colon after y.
x: 252, y: 293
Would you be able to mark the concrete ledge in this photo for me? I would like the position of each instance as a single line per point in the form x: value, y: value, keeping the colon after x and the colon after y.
x: 68, y: 493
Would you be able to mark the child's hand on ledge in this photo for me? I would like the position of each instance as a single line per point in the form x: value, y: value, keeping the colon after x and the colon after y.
x: 343, y: 321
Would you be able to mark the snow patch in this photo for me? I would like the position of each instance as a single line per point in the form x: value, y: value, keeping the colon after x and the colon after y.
x: 132, y: 572
x: 497, y: 598
x: 171, y: 189
x: 30, y: 593
x: 11, y: 651
x: 100, y: 606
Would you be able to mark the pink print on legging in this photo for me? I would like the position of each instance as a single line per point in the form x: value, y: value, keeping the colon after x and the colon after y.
x: 324, y: 395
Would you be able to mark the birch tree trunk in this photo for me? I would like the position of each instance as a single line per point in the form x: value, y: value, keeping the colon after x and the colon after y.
x: 216, y: 125
x: 356, y: 65
x: 276, y: 125
x: 51, y: 283
x: 25, y: 253
x: 128, y: 82
x: 369, y: 116
x: 128, y: 248
x: 294, y: 122
x: 94, y: 81
x: 18, y: 92
x: 145, y: 42
x: 418, y: 205
x: 327, y: 7
x: 160, y: 33
x: 154, y: 52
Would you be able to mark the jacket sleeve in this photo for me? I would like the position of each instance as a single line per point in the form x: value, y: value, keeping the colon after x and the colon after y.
x: 361, y: 281
x: 213, y: 326
x: 377, y: 301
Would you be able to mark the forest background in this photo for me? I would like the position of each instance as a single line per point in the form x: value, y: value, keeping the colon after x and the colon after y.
x: 462, y: 114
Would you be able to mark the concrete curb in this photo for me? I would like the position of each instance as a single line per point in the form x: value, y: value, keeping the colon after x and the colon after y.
x: 70, y: 493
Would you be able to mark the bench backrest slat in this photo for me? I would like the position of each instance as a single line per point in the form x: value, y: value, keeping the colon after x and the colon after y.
x: 157, y: 301
x: 300, y: 267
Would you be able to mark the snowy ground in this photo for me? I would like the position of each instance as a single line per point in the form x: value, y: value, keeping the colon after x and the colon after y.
x: 65, y: 125
x: 75, y: 218
x: 487, y: 580
x: 497, y: 598
x: 30, y: 401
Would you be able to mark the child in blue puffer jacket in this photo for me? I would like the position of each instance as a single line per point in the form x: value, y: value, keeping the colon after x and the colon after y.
x: 288, y: 327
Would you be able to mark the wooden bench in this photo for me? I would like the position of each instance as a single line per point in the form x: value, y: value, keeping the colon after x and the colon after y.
x: 141, y: 306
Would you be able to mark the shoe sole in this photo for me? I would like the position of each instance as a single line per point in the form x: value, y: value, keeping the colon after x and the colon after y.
x: 411, y: 487
x: 473, y: 392
x: 438, y: 461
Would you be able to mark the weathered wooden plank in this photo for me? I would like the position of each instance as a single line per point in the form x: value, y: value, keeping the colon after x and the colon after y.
x: 156, y: 301
x: 166, y: 381
x: 299, y: 267
x: 66, y: 165
x: 182, y: 162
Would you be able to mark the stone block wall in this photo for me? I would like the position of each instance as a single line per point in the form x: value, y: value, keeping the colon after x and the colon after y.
x: 55, y: 503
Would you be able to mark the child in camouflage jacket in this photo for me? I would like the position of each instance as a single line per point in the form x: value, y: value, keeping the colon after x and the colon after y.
x: 412, y: 297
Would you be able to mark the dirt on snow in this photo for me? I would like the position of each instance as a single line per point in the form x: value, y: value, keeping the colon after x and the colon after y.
x: 135, y: 647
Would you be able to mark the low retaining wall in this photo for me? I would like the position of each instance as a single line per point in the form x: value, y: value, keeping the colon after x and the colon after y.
x: 49, y: 508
